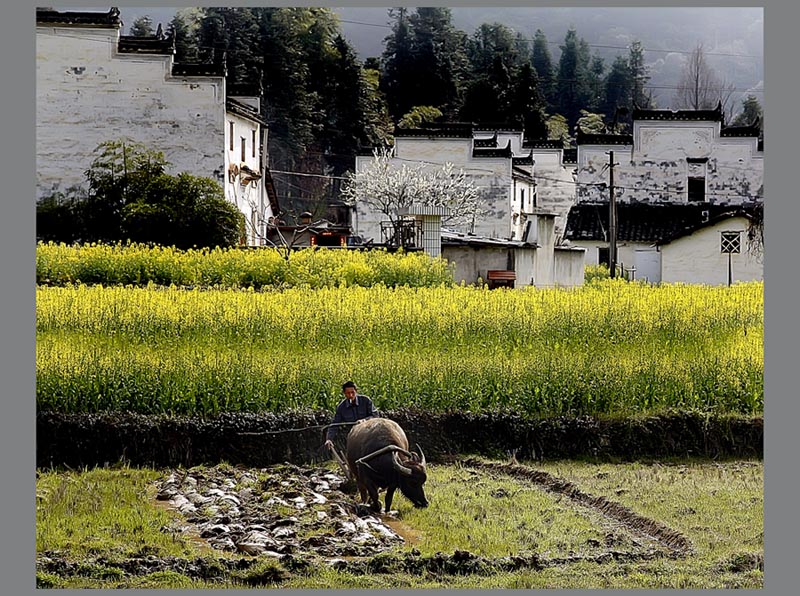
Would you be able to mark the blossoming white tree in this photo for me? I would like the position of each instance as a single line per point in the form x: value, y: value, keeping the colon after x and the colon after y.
x: 389, y: 188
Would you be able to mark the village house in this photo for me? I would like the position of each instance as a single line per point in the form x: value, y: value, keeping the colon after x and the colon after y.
x: 686, y: 189
x: 95, y: 85
x: 513, y: 240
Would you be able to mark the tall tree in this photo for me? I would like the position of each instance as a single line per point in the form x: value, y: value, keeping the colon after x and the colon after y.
x: 184, y: 27
x: 440, y: 58
x: 491, y: 41
x: 699, y: 88
x: 543, y: 65
x: 526, y: 105
x: 618, y: 90
x: 398, y: 81
x: 639, y: 76
x: 142, y: 27
x: 752, y: 113
x: 572, y: 76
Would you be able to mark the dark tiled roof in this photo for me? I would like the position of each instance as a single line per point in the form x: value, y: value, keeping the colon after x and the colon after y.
x: 523, y: 160
x: 493, y: 152
x: 243, y: 110
x: 712, y: 115
x: 584, y: 138
x: 129, y: 44
x: 740, y: 131
x: 48, y: 16
x: 216, y: 69
x: 269, y: 185
x: 490, y: 142
x: 646, y: 222
x: 497, y: 126
x: 570, y: 156
x: 448, y: 129
x: 543, y: 144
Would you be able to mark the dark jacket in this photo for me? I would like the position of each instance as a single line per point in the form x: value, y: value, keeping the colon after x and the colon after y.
x: 345, y: 412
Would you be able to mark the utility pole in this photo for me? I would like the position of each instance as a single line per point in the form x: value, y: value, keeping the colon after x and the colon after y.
x: 612, y: 218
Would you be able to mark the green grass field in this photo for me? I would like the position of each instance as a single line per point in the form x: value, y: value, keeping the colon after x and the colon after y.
x: 718, y: 506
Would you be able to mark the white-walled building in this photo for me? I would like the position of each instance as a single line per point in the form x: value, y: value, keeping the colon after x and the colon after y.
x: 683, y: 184
x: 669, y: 242
x: 94, y: 85
x: 683, y: 156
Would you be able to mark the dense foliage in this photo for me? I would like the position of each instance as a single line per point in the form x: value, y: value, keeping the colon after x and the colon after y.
x: 130, y: 197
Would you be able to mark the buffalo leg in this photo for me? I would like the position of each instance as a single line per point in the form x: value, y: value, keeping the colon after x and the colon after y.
x: 389, y: 496
x: 373, y: 497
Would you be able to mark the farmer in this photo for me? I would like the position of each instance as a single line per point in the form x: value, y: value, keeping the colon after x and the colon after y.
x: 352, y: 408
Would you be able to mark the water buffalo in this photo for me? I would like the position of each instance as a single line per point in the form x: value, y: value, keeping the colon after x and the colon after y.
x: 378, y: 456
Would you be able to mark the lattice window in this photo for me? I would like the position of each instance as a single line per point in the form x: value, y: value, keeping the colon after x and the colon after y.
x: 731, y: 243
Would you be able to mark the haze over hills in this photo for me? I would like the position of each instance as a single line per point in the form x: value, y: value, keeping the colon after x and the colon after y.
x: 733, y: 37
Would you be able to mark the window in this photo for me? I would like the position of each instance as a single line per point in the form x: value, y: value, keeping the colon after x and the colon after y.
x: 697, y: 189
x: 603, y: 256
x: 254, y: 143
x: 230, y: 134
x: 244, y: 148
x: 696, y: 178
x: 731, y: 243
x: 522, y: 198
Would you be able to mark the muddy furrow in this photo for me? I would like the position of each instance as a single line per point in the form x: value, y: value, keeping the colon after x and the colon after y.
x: 673, y: 540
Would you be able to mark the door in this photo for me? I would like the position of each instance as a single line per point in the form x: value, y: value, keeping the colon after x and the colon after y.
x: 648, y: 265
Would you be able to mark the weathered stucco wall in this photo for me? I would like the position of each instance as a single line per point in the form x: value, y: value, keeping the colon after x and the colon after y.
x: 555, y: 185
x: 697, y: 258
x: 249, y: 196
x: 87, y: 93
x: 473, y: 262
x: 569, y: 267
x: 656, y: 167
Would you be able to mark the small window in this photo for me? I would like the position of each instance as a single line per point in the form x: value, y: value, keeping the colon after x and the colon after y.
x: 731, y: 243
x: 697, y: 189
x: 244, y: 148
x: 522, y: 198
x: 254, y: 143
x: 603, y: 256
x: 230, y: 134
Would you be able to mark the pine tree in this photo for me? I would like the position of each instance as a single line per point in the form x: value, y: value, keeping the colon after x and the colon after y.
x: 184, y: 27
x: 543, y: 65
x: 751, y: 115
x: 398, y: 82
x: 572, y: 70
x: 439, y: 57
x: 142, y: 27
x: 639, y: 76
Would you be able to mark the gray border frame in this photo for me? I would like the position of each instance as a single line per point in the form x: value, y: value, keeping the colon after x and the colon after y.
x: 17, y: 249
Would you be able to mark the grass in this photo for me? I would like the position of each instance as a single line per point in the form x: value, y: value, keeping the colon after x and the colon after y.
x: 716, y: 505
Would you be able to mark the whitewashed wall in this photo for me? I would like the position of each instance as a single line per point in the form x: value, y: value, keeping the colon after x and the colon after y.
x: 555, y: 185
x: 568, y: 267
x: 250, y: 197
x: 655, y: 167
x: 697, y: 258
x: 626, y: 251
x: 87, y: 93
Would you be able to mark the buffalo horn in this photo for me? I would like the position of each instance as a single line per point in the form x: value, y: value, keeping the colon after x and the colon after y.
x: 400, y: 467
x: 422, y: 455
